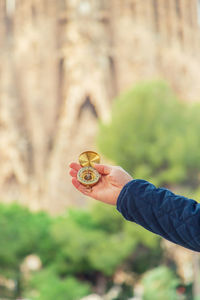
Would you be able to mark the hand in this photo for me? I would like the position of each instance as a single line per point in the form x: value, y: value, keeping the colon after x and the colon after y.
x: 109, y: 186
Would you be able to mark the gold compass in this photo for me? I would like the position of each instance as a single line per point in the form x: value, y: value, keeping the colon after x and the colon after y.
x: 88, y: 175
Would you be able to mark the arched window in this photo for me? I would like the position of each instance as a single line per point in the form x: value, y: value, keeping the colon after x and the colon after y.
x: 87, y: 105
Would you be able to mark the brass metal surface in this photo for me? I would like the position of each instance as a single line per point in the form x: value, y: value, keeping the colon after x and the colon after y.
x: 88, y: 158
x: 88, y: 175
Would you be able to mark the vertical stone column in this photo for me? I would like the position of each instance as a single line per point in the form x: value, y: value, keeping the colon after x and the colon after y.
x: 194, y: 27
x: 163, y: 13
x: 155, y: 14
x: 142, y: 12
x: 174, y: 23
x: 2, y: 22
x: 186, y: 25
x: 149, y: 15
x: 168, y: 21
x: 12, y: 167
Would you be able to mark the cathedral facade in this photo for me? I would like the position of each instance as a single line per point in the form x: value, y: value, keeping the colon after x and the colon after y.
x: 61, y: 65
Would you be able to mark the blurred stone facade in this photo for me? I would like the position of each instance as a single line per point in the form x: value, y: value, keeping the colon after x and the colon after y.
x: 61, y: 64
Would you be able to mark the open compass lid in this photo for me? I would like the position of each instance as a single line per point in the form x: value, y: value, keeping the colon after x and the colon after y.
x: 89, y: 158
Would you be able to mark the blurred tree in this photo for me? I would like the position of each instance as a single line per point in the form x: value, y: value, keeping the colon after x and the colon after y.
x: 160, y: 283
x: 98, y: 241
x: 23, y: 233
x: 46, y: 285
x: 154, y: 136
x: 89, y: 245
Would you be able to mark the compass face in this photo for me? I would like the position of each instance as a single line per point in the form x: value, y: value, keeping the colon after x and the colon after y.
x: 88, y: 176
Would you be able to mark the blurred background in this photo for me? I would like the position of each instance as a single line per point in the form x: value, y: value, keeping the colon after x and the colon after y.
x: 120, y: 77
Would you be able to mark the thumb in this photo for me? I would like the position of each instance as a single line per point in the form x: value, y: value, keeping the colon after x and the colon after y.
x: 103, y: 169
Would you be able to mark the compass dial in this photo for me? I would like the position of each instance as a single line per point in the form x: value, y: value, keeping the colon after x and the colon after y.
x: 88, y: 176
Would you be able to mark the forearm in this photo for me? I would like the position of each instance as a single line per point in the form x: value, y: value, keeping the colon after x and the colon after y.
x: 174, y: 217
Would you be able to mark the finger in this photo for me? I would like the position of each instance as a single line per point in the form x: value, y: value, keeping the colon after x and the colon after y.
x: 75, y: 166
x: 79, y: 186
x: 103, y: 169
x: 73, y: 173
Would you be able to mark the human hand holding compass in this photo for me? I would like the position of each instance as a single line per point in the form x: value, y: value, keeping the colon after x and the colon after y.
x: 108, y: 185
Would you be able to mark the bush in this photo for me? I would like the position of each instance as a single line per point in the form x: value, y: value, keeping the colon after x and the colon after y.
x: 160, y: 283
x: 23, y: 233
x: 154, y: 136
x: 45, y: 285
x: 87, y: 244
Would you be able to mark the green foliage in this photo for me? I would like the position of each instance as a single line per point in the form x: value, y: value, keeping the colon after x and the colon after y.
x: 160, y: 283
x: 106, y: 218
x: 154, y: 136
x: 46, y: 285
x: 93, y: 247
x: 22, y: 232
x: 89, y: 243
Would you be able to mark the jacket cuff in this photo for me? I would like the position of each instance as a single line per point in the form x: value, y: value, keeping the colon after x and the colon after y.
x: 123, y: 199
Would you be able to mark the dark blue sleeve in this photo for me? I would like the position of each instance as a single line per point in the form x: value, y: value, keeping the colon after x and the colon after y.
x: 174, y: 217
